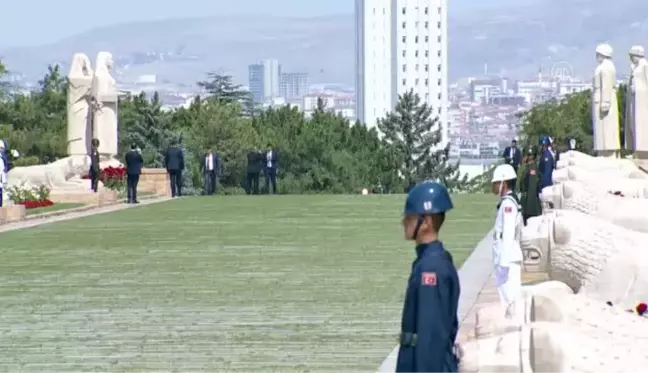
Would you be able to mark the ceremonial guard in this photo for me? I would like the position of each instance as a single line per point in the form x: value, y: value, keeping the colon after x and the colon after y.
x: 429, y: 325
x: 547, y: 163
x: 531, y: 205
x: 507, y: 254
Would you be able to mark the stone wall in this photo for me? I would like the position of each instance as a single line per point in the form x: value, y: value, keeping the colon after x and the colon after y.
x: 102, y: 198
x: 12, y: 214
x: 154, y: 180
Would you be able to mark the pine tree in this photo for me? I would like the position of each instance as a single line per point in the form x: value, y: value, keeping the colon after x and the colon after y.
x: 415, y: 132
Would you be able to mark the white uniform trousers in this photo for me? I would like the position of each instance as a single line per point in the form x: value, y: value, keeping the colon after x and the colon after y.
x: 509, y: 283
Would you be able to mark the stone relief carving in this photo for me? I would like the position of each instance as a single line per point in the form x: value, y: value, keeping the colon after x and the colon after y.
x: 106, y: 97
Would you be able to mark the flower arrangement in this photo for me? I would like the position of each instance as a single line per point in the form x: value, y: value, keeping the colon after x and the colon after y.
x: 31, y: 198
x: 113, y: 177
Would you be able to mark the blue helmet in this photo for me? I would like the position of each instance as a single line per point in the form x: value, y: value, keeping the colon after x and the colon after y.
x: 427, y: 198
x: 544, y: 140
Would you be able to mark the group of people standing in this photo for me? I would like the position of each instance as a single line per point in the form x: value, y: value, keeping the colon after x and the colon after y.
x: 513, y: 212
x: 258, y: 162
x: 538, y: 171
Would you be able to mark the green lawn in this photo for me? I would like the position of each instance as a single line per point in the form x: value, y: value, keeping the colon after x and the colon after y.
x: 239, y: 284
x: 55, y: 207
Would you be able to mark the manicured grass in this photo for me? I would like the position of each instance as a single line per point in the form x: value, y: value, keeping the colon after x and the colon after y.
x: 55, y: 207
x: 239, y: 284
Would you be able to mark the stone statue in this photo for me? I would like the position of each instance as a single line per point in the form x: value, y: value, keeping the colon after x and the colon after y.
x: 590, y: 255
x: 599, y: 164
x: 104, y: 91
x: 584, y: 174
x: 79, y: 110
x: 605, y: 111
x: 61, y: 174
x: 626, y: 212
x: 636, y: 111
x: 591, y: 177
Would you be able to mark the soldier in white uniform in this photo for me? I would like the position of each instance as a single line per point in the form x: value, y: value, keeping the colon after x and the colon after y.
x: 507, y: 254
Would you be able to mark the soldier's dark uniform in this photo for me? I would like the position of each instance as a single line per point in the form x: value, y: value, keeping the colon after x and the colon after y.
x: 530, y: 202
x: 546, y: 164
x: 429, y: 325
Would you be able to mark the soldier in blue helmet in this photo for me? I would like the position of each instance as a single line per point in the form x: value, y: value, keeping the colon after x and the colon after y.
x: 546, y: 164
x: 429, y: 325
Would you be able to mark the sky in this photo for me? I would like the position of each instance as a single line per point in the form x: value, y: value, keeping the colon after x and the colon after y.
x: 37, y: 22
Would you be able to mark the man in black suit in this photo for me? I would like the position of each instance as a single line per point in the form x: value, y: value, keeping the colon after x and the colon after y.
x: 271, y: 159
x: 95, y: 169
x: 134, y: 164
x: 210, y: 168
x: 174, y: 163
x: 513, y: 156
x: 254, y: 166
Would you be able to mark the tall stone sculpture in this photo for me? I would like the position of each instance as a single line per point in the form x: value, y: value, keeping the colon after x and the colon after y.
x: 636, y: 110
x: 104, y: 91
x: 605, y: 111
x: 79, y: 109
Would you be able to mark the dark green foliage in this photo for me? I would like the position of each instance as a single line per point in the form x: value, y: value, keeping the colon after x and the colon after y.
x: 322, y: 154
x: 413, y: 131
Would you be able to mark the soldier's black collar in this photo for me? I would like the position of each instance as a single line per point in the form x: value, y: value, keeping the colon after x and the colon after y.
x: 430, y: 246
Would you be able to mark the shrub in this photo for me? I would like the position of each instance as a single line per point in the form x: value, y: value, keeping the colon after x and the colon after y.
x: 33, y: 197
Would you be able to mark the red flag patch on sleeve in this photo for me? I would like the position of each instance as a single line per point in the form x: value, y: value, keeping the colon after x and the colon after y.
x: 508, y: 209
x: 429, y: 279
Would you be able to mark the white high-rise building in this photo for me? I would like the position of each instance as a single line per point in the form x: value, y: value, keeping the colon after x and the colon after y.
x: 401, y: 45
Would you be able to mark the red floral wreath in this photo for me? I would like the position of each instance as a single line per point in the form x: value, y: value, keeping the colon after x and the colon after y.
x: 640, y: 309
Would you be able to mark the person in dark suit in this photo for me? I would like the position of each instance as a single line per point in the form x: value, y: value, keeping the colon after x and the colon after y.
x: 174, y: 163
x: 95, y: 169
x: 254, y: 166
x: 271, y: 160
x: 134, y: 164
x: 513, y: 156
x: 210, y: 169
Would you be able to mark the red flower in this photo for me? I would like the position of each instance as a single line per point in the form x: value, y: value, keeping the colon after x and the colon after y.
x: 36, y: 204
x: 617, y: 193
x: 641, y: 308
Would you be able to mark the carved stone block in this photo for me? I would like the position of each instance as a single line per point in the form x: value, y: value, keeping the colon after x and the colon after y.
x: 627, y: 212
x: 590, y: 255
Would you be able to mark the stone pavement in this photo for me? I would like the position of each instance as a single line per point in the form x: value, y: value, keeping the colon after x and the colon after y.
x: 477, y: 287
x: 74, y: 215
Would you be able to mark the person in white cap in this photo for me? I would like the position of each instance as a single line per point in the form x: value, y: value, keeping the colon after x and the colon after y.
x: 507, y: 254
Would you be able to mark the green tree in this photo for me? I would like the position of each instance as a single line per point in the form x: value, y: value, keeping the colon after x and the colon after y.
x: 414, y: 131
x: 221, y: 89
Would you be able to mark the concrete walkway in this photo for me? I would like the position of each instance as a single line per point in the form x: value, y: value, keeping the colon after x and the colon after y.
x: 477, y: 287
x: 75, y: 215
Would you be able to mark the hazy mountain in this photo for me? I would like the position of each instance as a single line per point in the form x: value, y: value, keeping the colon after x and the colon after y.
x: 513, y: 40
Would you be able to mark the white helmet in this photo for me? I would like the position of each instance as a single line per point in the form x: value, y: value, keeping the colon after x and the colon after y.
x: 503, y: 172
x: 604, y: 50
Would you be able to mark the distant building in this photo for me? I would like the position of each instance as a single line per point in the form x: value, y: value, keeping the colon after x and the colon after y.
x: 401, y: 46
x: 293, y: 85
x: 264, y: 79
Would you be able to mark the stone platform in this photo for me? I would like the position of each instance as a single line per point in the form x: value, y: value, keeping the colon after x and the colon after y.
x: 154, y: 180
x: 102, y: 198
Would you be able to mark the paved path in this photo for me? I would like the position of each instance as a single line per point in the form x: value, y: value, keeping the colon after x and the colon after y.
x: 74, y: 215
x: 477, y: 287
